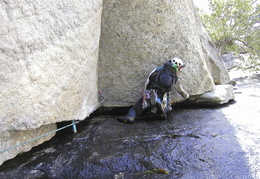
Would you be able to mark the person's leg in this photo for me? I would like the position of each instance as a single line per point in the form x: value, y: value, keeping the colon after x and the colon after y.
x: 160, y: 95
x: 134, y: 111
x: 137, y: 109
x: 161, y: 106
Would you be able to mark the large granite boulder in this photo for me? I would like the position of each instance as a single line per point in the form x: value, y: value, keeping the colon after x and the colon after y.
x: 49, y: 59
x: 49, y: 56
x: 138, y: 36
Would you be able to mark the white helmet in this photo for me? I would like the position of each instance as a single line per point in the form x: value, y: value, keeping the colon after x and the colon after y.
x: 177, y: 63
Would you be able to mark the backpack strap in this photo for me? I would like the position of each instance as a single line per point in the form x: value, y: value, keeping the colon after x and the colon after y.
x: 158, y: 73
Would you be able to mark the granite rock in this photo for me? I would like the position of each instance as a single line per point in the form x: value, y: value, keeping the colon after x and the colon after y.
x: 49, y: 57
x: 220, y: 95
x: 138, y: 36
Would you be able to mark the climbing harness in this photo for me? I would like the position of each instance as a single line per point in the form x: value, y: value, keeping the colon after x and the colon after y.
x: 146, y: 98
x: 152, y: 101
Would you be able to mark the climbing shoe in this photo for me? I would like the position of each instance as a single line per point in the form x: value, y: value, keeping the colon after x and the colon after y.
x: 126, y: 119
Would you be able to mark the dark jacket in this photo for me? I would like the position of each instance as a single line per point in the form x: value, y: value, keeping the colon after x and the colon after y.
x: 162, y: 78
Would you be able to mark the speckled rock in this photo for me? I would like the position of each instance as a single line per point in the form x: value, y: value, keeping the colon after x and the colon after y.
x: 53, y: 60
x: 138, y: 36
x: 11, y: 141
x: 220, y: 95
x: 49, y: 56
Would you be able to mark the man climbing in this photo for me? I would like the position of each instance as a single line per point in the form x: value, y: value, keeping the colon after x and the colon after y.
x: 156, y: 93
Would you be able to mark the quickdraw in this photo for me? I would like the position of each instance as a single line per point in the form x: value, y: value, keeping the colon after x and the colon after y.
x: 146, y: 95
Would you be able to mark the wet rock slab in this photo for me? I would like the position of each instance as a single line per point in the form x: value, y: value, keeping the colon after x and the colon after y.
x: 194, y: 143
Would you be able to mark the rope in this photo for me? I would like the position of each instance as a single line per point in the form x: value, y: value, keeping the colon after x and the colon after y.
x: 13, y: 147
x: 64, y: 127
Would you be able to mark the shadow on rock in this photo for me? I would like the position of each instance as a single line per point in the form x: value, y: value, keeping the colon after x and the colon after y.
x: 193, y: 143
x: 196, y: 142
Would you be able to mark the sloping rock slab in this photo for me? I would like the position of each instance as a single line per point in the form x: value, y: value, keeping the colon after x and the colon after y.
x: 194, y: 143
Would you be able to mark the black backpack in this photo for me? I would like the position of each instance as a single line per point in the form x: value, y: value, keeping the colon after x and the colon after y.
x: 163, y: 78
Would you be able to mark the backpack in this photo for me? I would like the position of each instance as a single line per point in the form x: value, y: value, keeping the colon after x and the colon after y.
x: 162, y: 79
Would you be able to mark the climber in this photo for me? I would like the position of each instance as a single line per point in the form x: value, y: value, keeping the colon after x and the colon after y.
x: 158, y: 84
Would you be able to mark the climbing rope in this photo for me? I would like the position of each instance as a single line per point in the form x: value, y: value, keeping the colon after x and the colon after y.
x: 36, y: 138
x: 73, y: 124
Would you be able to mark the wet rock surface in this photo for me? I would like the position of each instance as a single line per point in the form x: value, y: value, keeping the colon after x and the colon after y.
x: 196, y: 142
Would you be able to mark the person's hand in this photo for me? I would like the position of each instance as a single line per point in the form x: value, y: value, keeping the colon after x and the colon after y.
x: 181, y: 91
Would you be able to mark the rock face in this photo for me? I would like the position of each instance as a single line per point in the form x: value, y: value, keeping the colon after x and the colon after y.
x: 14, y: 138
x: 220, y: 95
x: 53, y: 59
x: 48, y: 52
x: 138, y: 36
